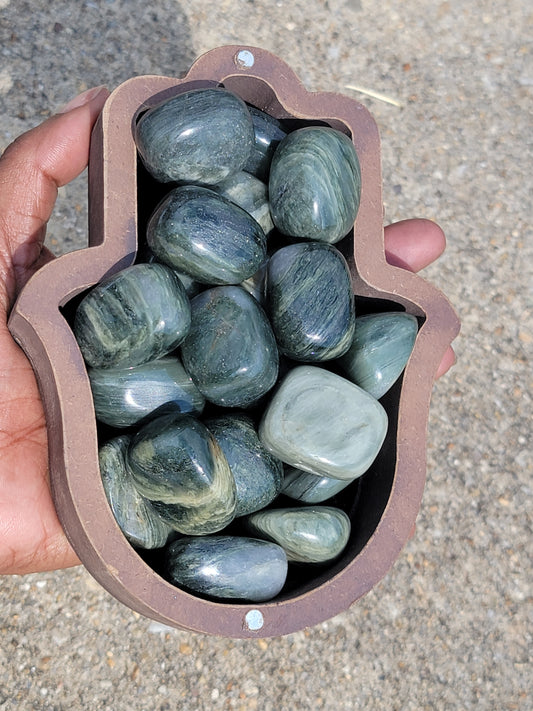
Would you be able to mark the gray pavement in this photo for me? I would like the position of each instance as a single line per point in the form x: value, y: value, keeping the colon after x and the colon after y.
x: 450, y: 626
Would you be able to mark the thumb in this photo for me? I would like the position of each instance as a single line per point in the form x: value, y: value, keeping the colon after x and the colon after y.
x: 31, y: 170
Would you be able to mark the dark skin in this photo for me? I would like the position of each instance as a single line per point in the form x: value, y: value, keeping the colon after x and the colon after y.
x: 31, y: 171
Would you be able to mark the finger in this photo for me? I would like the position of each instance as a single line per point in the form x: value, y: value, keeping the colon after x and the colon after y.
x: 31, y: 170
x: 413, y: 244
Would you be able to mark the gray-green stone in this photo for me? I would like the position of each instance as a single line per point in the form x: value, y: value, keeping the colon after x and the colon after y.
x: 197, y: 231
x: 139, y: 314
x: 314, y: 534
x: 228, y: 567
x: 322, y: 423
x: 311, y: 488
x: 258, y: 475
x: 230, y: 352
x: 198, y: 137
x: 249, y: 193
x: 124, y: 396
x: 380, y: 349
x: 177, y: 464
x: 315, y: 184
x: 310, y: 301
x: 268, y: 133
x: 134, y: 514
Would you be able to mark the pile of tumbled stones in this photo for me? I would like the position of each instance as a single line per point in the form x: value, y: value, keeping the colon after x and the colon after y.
x: 239, y: 307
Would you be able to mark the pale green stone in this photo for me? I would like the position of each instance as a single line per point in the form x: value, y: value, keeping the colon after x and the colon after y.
x: 322, y: 423
x: 313, y: 534
x: 250, y: 193
x: 380, y: 349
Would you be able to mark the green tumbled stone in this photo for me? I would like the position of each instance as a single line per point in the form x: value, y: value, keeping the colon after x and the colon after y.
x: 249, y: 193
x: 134, y: 514
x: 311, y: 488
x: 228, y: 567
x: 268, y: 132
x: 134, y: 316
x: 314, y: 534
x: 230, y: 352
x: 124, y: 396
x: 198, y: 137
x: 177, y: 464
x: 310, y: 301
x: 324, y: 424
x: 197, y: 231
x: 380, y: 349
x: 315, y: 184
x: 258, y: 475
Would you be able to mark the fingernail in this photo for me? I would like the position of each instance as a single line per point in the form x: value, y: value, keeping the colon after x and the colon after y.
x: 81, y: 99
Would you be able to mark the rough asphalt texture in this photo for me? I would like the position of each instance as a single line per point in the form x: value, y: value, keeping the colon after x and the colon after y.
x: 450, y: 626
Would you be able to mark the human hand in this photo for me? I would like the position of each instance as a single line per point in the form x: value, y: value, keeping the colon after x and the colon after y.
x: 31, y: 170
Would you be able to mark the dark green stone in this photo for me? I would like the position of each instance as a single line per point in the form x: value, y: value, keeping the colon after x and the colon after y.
x: 258, y: 475
x: 201, y: 233
x: 228, y: 567
x: 249, y: 193
x: 310, y: 301
x: 315, y: 184
x: 135, y: 316
x: 177, y: 464
x: 230, y: 352
x: 268, y: 133
x: 380, y: 349
x: 198, y: 137
x: 134, y: 514
x: 124, y: 396
x: 312, y: 534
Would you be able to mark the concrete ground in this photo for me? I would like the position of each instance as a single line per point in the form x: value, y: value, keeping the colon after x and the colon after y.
x: 450, y: 626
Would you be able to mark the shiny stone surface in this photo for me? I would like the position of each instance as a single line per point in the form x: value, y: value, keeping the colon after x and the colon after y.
x: 228, y: 567
x: 258, y: 475
x: 230, y: 352
x: 315, y: 184
x: 124, y: 396
x: 324, y: 424
x: 311, y: 488
x: 307, y: 535
x: 206, y: 236
x: 197, y: 137
x: 135, y: 316
x: 178, y: 465
x: 380, y: 350
x: 134, y: 514
x: 310, y: 301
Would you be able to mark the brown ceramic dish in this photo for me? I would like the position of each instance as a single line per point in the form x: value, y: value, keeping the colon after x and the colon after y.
x: 384, y: 503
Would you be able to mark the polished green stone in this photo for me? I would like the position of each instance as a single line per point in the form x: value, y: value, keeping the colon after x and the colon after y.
x: 311, y: 488
x: 249, y: 193
x: 322, y: 423
x: 268, y: 132
x: 197, y: 137
x: 258, y: 475
x: 380, y: 349
x: 310, y: 301
x: 134, y: 514
x: 230, y: 351
x: 228, y: 567
x: 197, y: 231
x: 177, y: 464
x: 139, y: 314
x: 124, y: 396
x: 315, y: 184
x: 313, y: 534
